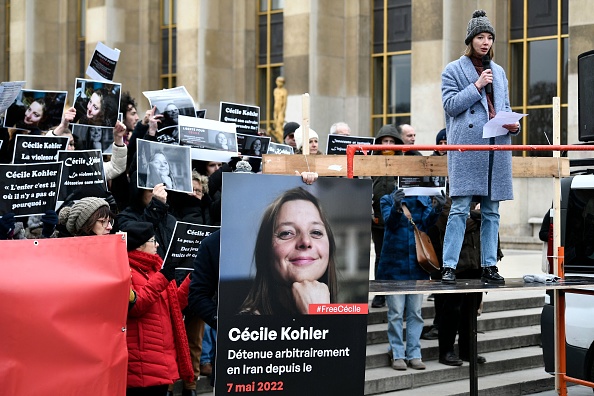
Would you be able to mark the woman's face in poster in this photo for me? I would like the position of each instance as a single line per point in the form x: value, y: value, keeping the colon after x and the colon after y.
x: 257, y: 146
x: 33, y: 114
x: 160, y: 164
x: 95, y: 134
x: 94, y: 106
x: 221, y: 139
x: 300, y: 244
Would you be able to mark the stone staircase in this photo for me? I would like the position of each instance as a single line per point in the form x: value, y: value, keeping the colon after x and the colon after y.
x: 509, y: 338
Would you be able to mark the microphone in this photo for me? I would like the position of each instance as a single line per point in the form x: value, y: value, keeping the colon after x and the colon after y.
x: 487, y: 65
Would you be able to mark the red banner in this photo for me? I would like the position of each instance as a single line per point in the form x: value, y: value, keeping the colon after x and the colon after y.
x: 63, y: 307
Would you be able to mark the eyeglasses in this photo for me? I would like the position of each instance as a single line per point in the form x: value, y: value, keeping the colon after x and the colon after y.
x: 152, y: 240
x: 105, y: 222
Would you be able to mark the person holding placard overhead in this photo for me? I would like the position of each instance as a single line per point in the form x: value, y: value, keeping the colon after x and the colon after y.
x: 474, y: 89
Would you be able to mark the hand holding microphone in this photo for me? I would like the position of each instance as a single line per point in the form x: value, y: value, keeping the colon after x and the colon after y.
x: 487, y: 74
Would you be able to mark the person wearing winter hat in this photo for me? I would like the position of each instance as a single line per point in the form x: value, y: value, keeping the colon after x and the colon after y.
x: 313, y: 141
x: 382, y: 185
x: 88, y: 216
x: 156, y: 315
x: 441, y: 139
x: 289, y: 134
x: 472, y: 94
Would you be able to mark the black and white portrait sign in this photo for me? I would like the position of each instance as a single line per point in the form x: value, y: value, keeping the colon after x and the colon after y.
x: 253, y: 146
x: 171, y: 103
x: 32, y: 149
x: 29, y: 189
x: 210, y: 140
x: 81, y: 168
x: 247, y: 118
x: 92, y: 137
x: 164, y: 163
x: 422, y: 185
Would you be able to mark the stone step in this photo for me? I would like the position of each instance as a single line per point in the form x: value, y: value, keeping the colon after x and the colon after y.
x: 525, y: 382
x: 385, y: 379
x: 378, y: 315
x: 496, y: 340
x: 378, y: 333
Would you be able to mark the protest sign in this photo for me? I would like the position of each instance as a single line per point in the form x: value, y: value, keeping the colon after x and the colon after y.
x: 171, y: 103
x: 267, y: 339
x: 164, y: 163
x: 422, y: 185
x: 35, y: 111
x: 94, y: 137
x: 251, y: 145
x: 81, y: 168
x: 29, y: 189
x: 337, y: 144
x: 9, y: 90
x: 185, y: 243
x: 64, y: 306
x: 96, y: 102
x: 103, y: 63
x: 31, y: 149
x: 245, y: 117
x: 210, y: 140
x: 277, y: 148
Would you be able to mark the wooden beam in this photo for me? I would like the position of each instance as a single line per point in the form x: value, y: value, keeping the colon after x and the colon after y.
x: 384, y: 165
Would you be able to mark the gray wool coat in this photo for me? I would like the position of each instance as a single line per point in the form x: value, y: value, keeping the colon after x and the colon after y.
x: 480, y: 173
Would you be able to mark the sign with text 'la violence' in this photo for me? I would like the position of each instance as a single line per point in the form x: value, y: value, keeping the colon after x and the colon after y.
x: 247, y: 118
x: 337, y: 144
x: 81, y: 168
x: 32, y: 149
x: 29, y: 189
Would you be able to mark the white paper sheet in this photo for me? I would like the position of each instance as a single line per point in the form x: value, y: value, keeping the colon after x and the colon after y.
x: 495, y: 125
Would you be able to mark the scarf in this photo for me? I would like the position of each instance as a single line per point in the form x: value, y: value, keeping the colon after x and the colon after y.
x: 152, y: 263
x: 478, y: 65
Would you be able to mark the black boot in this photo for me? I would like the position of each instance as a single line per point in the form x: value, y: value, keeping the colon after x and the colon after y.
x: 491, y: 275
x: 378, y: 301
x: 448, y: 275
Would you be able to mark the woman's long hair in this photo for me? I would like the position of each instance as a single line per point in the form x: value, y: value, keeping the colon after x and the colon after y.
x: 261, y: 298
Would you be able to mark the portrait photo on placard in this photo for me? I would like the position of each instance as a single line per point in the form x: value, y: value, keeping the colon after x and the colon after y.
x: 170, y: 104
x: 96, y: 102
x: 257, y: 269
x: 254, y: 146
x: 164, y: 163
x: 92, y: 137
x: 35, y: 111
x: 219, y: 140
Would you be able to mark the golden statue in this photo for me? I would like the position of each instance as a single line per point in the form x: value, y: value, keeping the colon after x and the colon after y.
x: 280, y: 106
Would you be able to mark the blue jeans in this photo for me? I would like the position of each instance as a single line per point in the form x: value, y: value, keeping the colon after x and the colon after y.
x: 454, y: 235
x: 414, y: 325
x: 209, y: 342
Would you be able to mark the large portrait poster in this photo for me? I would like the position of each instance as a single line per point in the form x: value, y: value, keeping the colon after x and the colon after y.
x: 294, y: 282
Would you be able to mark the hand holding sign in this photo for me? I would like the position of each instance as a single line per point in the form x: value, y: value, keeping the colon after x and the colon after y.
x: 119, y: 131
x: 153, y: 121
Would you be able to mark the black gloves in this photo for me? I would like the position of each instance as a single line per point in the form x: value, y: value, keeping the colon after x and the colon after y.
x: 168, y: 270
x: 440, y: 201
x: 49, y: 220
x: 7, y: 226
x: 397, y: 196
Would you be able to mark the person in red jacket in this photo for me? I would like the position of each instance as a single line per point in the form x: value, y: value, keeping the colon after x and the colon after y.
x: 158, y: 352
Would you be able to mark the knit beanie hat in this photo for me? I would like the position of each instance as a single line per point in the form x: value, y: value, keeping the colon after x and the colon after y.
x: 299, y: 136
x: 441, y: 135
x: 289, y: 128
x: 75, y: 216
x: 243, y: 167
x: 138, y: 233
x: 479, y: 23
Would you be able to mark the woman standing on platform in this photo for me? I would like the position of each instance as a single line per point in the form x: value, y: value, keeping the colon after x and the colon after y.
x: 474, y: 89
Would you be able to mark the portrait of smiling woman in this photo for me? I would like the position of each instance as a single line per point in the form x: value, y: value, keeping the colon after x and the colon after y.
x: 294, y: 257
